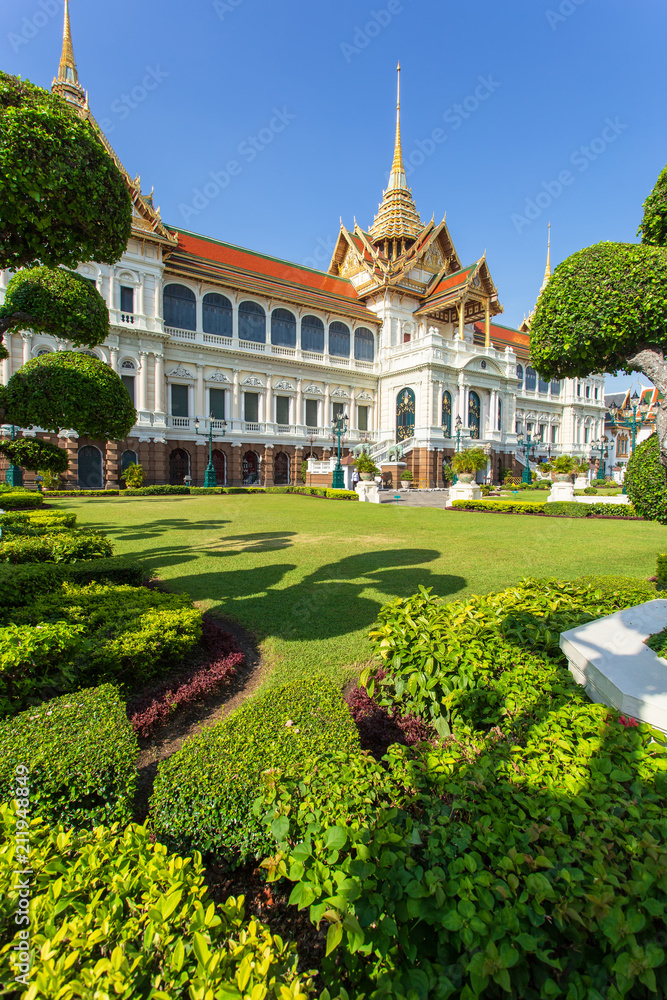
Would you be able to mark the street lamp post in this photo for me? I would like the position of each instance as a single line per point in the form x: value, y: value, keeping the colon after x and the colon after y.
x: 338, y: 428
x: 601, y: 446
x: 14, y: 474
x: 210, y: 478
x: 622, y: 418
x: 527, y: 443
x: 459, y: 427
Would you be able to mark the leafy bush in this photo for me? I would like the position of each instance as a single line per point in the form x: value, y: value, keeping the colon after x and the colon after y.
x: 203, y: 794
x: 646, y: 481
x: 59, y: 548
x: 21, y: 585
x: 35, y: 454
x: 662, y: 571
x: 72, y: 494
x: 339, y: 494
x: 470, y: 460
x: 34, y: 663
x: 35, y: 524
x: 134, y: 476
x: 138, y: 920
x: 158, y: 491
x: 558, y: 508
x: 131, y: 632
x: 658, y: 642
x: 82, y: 756
x: 590, y: 491
x: 365, y: 463
x: 21, y: 501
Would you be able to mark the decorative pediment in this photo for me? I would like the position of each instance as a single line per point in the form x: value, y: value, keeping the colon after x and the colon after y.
x: 253, y: 381
x: 284, y: 384
x: 364, y: 395
x: 217, y: 377
x: 180, y: 372
x: 340, y: 393
x: 313, y: 389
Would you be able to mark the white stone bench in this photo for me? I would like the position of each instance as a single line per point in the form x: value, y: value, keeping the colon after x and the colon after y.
x: 609, y: 656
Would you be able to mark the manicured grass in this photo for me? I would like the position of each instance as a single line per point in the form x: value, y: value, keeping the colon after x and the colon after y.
x: 308, y: 576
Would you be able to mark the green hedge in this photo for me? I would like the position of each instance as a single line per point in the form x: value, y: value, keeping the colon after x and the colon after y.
x: 132, y: 634
x: 20, y: 585
x: 525, y: 857
x: 68, y: 547
x: 81, y: 753
x: 20, y: 501
x: 662, y: 571
x: 138, y: 921
x: 36, y: 523
x: 36, y: 663
x: 157, y: 491
x: 646, y: 481
x: 203, y: 794
x: 71, y: 494
x: 558, y: 508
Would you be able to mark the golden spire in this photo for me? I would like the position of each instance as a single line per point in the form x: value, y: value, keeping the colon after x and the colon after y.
x: 66, y: 83
x: 397, y: 216
x: 547, y: 269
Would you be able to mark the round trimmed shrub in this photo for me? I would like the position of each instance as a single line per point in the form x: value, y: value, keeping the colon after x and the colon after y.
x: 646, y: 481
x: 39, y: 456
x: 61, y: 303
x: 74, y: 391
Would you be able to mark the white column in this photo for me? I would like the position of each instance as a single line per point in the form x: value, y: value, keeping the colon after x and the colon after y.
x: 200, y: 403
x: 461, y: 402
x: 326, y: 419
x: 27, y: 347
x: 235, y: 414
x: 353, y: 410
x: 7, y: 363
x: 143, y: 381
x: 299, y: 416
x: 268, y: 411
x: 139, y: 304
x: 159, y: 383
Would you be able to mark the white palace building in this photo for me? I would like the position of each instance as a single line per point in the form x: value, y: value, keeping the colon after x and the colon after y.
x: 399, y: 334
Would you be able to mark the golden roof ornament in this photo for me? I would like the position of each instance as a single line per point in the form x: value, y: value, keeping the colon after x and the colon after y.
x: 397, y: 217
x: 547, y: 269
x: 66, y: 83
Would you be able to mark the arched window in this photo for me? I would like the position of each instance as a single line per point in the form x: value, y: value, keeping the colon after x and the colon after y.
x: 339, y: 340
x: 312, y: 334
x: 542, y: 386
x: 447, y: 413
x: 364, y: 344
x: 220, y: 466
x: 519, y: 372
x: 180, y: 307
x: 43, y: 351
x: 179, y: 467
x: 281, y: 469
x: 405, y: 414
x: 531, y: 379
x: 217, y: 310
x: 474, y: 410
x: 90, y: 468
x: 128, y: 458
x: 500, y: 414
x: 555, y: 387
x: 283, y: 328
x: 252, y: 323
x: 129, y: 366
x: 250, y: 468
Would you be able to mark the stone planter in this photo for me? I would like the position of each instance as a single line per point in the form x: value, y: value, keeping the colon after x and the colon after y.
x: 466, y: 477
x: 562, y: 477
x: 367, y: 477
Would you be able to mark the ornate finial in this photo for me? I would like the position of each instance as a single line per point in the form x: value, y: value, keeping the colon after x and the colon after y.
x: 66, y: 84
x: 547, y: 270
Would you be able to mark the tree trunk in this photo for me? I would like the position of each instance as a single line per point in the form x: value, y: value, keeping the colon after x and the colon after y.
x: 651, y: 361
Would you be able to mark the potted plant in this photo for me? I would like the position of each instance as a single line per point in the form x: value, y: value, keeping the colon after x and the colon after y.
x: 447, y: 471
x: 406, y: 478
x: 563, y: 467
x: 134, y: 476
x: 466, y: 463
x: 366, y: 468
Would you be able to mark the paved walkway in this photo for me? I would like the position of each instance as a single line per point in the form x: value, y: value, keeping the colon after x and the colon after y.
x: 416, y: 498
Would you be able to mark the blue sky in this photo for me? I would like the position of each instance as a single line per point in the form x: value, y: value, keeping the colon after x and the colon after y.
x: 544, y: 111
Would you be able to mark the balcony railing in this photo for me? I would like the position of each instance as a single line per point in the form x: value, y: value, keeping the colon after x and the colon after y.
x: 252, y: 428
x: 250, y: 345
x: 180, y: 422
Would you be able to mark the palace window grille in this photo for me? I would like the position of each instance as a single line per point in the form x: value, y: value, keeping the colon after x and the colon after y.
x: 90, y: 468
x: 405, y: 414
x: 220, y: 466
x: 447, y: 413
x: 180, y: 307
x: 283, y: 328
x: 281, y: 470
x: 339, y: 340
x: 474, y: 410
x: 312, y: 335
x: 179, y: 466
x: 250, y: 468
x: 252, y: 322
x: 364, y: 344
x: 217, y: 315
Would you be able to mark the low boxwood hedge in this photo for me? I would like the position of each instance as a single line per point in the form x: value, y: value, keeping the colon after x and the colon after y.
x: 72, y: 494
x: 81, y: 753
x: 36, y: 522
x: 20, y: 501
x: 157, y: 491
x: 558, y: 508
x: 114, y: 915
x: 203, y: 794
x: 36, y: 663
x: 65, y: 547
x: 20, y: 585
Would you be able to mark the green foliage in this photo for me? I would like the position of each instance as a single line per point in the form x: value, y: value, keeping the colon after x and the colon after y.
x: 658, y: 642
x: 653, y: 229
x: 365, y: 463
x: 68, y: 390
x: 333, y: 494
x: 304, y: 470
x: 646, y: 481
x: 62, y: 198
x: 58, y: 302
x: 131, y: 633
x: 557, y: 508
x: 134, y: 476
x: 158, y: 491
x: 35, y: 454
x: 21, y: 585
x: 138, y: 920
x: 20, y: 501
x: 71, y: 494
x: 470, y: 460
x: 662, y: 571
x: 203, y: 794
x: 34, y: 663
x: 599, y: 307
x: 82, y: 755
x: 64, y: 547
x: 590, y: 491
x: 406, y: 476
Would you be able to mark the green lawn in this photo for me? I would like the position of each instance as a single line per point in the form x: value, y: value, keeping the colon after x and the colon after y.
x: 308, y: 576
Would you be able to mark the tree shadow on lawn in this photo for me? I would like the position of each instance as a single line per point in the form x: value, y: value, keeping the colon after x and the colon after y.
x: 154, y: 528
x: 327, y: 602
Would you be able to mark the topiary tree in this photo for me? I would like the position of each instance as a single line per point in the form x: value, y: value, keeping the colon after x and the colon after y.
x: 605, y: 309
x: 63, y: 201
x: 646, y: 481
